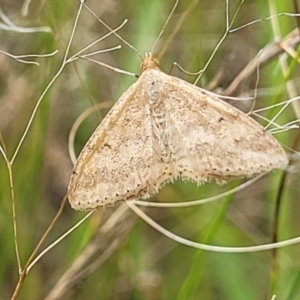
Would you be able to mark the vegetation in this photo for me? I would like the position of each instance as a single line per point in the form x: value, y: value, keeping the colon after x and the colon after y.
x: 114, y: 254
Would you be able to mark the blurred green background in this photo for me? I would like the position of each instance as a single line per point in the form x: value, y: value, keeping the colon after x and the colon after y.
x: 131, y: 260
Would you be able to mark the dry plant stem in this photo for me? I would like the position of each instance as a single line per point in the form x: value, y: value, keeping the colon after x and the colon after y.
x: 256, y: 86
x: 75, y: 56
x: 275, y: 49
x: 13, y: 204
x: 274, y: 265
x: 18, y: 57
x: 296, y: 7
x: 275, y: 227
x: 290, y: 51
x: 65, y: 61
x: 227, y: 31
x: 77, y: 123
x: 211, y: 248
x: 179, y: 23
x: 124, y: 41
x: 59, y: 212
x: 110, y: 67
x: 57, y: 241
x: 265, y: 19
x: 97, y: 52
x: 24, y: 271
x: 200, y: 201
x: 109, y: 237
x: 25, y: 7
x: 113, y: 31
x: 48, y: 86
x: 274, y: 258
x: 270, y: 51
x: 272, y: 121
x: 35, y: 251
x: 7, y: 24
x: 284, y: 105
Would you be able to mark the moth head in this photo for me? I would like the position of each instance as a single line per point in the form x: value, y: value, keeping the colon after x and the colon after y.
x: 149, y: 62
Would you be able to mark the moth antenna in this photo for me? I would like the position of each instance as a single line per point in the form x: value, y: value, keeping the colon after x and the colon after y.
x: 165, y: 25
x: 114, y: 31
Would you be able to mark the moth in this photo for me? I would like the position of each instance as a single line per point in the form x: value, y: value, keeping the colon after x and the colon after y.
x: 164, y: 128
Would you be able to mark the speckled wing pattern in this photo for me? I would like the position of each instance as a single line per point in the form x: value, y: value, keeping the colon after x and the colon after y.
x: 163, y: 128
x: 214, y: 140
